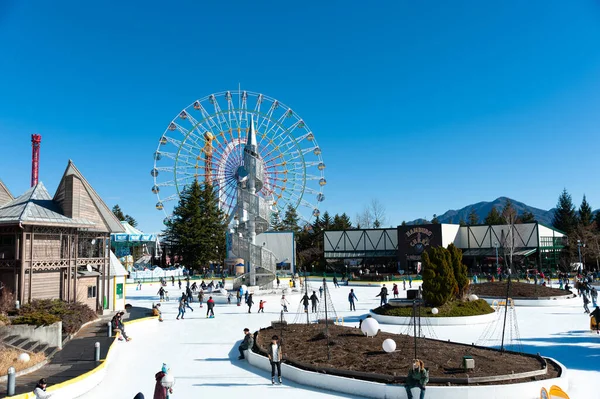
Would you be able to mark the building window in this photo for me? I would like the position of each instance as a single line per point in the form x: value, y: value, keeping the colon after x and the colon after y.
x: 92, y: 291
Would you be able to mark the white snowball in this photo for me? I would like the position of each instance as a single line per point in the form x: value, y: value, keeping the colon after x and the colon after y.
x: 370, y: 327
x: 24, y: 357
x: 389, y: 345
x: 435, y: 311
x: 473, y: 297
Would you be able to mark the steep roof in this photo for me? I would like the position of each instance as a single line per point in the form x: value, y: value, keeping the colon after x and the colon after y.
x: 5, y: 195
x: 76, y: 203
x: 116, y: 267
x: 35, y: 206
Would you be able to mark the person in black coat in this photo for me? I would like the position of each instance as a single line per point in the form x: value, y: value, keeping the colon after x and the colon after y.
x: 250, y: 302
x: 383, y: 294
x: 314, y: 300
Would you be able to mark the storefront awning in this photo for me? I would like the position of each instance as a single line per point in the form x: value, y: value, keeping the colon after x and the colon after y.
x: 491, y: 252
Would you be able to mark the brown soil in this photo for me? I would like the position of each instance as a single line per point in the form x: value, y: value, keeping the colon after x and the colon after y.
x: 9, y: 357
x: 305, y: 346
x: 517, y: 290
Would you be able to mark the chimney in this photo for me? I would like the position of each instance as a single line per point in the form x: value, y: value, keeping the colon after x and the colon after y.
x: 36, y: 140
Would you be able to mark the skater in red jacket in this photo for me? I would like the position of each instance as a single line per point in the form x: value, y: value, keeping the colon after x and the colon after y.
x: 261, y: 306
x: 210, y: 305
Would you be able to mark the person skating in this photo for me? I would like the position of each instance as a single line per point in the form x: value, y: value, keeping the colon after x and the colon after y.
x: 186, y: 300
x: 189, y: 294
x: 594, y: 295
x: 161, y: 392
x: 173, y: 281
x: 404, y: 283
x: 586, y: 302
x: 246, y: 294
x: 210, y: 305
x: 181, y: 308
x: 417, y: 377
x: 277, y: 280
x: 229, y: 298
x: 161, y: 294
x: 395, y: 290
x: 351, y: 298
x: 383, y: 294
x: 261, y: 306
x: 275, y: 355
x: 320, y: 291
x: 246, y: 344
x: 305, y: 300
x: 335, y: 282
x: 156, y: 312
x: 239, y: 298
x: 179, y: 282
x: 40, y: 390
x: 314, y: 300
x: 201, y: 297
x: 596, y: 315
x: 250, y: 302
x: 284, y: 303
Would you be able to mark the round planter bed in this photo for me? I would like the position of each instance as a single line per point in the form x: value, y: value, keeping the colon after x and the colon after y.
x: 358, y: 366
x: 522, y: 294
x: 436, y: 321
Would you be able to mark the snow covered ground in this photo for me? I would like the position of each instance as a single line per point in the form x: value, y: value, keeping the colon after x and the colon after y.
x: 202, y: 353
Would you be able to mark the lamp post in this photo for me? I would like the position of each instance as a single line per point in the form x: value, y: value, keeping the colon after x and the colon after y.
x: 579, y: 244
x: 496, y: 246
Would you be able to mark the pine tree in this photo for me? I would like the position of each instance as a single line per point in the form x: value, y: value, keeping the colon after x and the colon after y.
x: 439, y: 283
x: 494, y: 217
x: 460, y: 271
x: 597, y: 221
x: 346, y: 223
x: 197, y: 227
x: 435, y: 219
x: 462, y: 222
x: 585, y: 213
x: 326, y: 221
x: 131, y: 220
x: 565, y: 218
x: 526, y: 217
x: 116, y: 210
x: 473, y: 217
x: 291, y: 219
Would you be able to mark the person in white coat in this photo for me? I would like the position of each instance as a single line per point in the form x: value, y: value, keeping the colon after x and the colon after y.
x: 40, y: 390
x: 284, y: 303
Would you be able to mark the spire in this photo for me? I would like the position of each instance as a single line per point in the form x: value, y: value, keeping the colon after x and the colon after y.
x: 252, y: 135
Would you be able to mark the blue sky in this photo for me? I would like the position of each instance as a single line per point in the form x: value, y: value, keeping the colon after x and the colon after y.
x: 426, y: 106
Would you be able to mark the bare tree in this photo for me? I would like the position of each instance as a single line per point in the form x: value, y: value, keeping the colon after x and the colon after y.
x: 373, y: 215
x: 509, y: 214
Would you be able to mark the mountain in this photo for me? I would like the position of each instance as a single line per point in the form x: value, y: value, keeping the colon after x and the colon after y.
x: 483, y: 208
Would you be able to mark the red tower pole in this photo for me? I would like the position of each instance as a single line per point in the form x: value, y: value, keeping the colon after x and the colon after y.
x: 36, y: 140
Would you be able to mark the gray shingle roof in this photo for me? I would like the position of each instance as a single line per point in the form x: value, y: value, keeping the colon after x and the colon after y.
x: 35, y: 206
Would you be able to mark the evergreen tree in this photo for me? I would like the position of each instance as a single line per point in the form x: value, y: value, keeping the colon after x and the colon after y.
x: 197, y: 227
x: 597, y: 221
x: 346, y: 223
x: 585, y: 213
x: 116, y: 210
x: 509, y: 213
x: 435, y: 219
x: 403, y: 223
x: 131, y: 220
x: 291, y: 219
x: 341, y: 222
x: 462, y: 222
x: 326, y: 221
x: 460, y: 271
x: 565, y: 218
x: 494, y: 217
x: 526, y: 217
x: 473, y: 217
x: 439, y: 283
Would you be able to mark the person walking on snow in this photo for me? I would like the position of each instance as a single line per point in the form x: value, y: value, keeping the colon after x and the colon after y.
x: 261, y: 306
x: 314, y: 300
x: 275, y: 355
x: 246, y: 344
x: 284, y: 303
x: 395, y: 290
x: 210, y: 305
x: 383, y: 294
x: 250, y: 302
x: 351, y: 298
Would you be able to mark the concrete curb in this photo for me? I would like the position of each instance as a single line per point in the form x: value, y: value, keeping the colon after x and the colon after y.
x: 523, y: 390
x: 437, y: 321
x: 28, y: 370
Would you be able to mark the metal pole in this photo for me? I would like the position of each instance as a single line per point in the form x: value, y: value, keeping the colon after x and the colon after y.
x: 97, y: 351
x: 505, y: 313
x: 326, y: 321
x: 11, y: 382
x: 109, y: 329
x: 415, y: 324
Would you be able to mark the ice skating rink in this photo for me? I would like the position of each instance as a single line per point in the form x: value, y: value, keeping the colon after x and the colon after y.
x: 202, y: 353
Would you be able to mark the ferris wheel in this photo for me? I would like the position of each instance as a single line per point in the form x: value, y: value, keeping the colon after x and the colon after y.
x: 205, y: 142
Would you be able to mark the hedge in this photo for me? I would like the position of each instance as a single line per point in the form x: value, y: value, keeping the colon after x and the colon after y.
x: 450, y: 309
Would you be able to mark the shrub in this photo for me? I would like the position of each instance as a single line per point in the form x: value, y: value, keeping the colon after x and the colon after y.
x: 439, y: 284
x: 7, y: 301
x: 4, y: 320
x: 460, y: 271
x: 36, y: 319
x: 72, y: 315
x: 450, y: 309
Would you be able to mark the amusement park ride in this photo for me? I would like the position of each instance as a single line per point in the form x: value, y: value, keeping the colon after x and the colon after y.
x: 258, y: 155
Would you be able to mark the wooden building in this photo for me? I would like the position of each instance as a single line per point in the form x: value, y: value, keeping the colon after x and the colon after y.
x: 57, y: 247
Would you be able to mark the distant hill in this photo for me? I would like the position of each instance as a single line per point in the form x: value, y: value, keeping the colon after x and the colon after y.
x: 482, y: 209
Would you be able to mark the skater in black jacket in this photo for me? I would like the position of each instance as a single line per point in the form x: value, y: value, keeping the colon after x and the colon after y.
x: 314, y: 300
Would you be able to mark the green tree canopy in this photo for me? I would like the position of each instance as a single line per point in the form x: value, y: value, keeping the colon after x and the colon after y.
x: 585, y: 213
x: 341, y: 222
x: 460, y: 271
x: 494, y: 217
x: 565, y: 218
x: 291, y: 220
x: 198, y: 227
x: 116, y: 210
x: 526, y: 217
x: 473, y: 217
x: 439, y: 283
